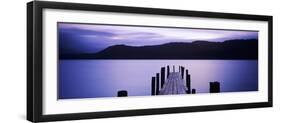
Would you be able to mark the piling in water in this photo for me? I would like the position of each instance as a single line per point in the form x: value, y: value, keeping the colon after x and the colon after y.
x: 168, y: 71
x: 153, y: 89
x: 157, y: 83
x: 187, y: 79
x: 193, y: 91
x: 214, y: 87
x: 182, y: 72
x: 162, y: 76
x: 122, y: 93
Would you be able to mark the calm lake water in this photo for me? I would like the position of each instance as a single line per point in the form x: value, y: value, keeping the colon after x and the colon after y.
x: 103, y: 78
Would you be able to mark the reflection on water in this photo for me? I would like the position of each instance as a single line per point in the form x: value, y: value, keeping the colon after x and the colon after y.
x: 103, y: 78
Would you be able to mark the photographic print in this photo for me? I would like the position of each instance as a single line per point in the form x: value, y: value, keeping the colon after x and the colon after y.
x: 103, y: 60
x: 87, y: 61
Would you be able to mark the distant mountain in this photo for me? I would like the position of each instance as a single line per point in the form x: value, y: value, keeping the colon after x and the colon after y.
x: 230, y: 49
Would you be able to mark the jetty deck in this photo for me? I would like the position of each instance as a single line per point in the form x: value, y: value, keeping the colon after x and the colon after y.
x: 174, y: 84
x: 171, y: 83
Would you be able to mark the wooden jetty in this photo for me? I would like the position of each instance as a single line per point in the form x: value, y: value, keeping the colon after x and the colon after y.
x: 174, y: 85
x: 173, y: 82
x: 176, y: 82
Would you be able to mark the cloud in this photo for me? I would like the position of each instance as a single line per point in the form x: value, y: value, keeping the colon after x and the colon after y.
x: 94, y: 37
x: 83, y: 32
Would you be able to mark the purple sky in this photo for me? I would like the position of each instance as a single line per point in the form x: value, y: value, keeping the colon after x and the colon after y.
x: 89, y: 38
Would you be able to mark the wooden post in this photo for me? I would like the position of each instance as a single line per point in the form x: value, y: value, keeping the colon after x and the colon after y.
x: 211, y: 87
x: 218, y: 87
x: 153, y: 92
x: 122, y: 93
x: 187, y: 79
x: 168, y: 71
x: 193, y: 91
x: 182, y: 72
x: 214, y: 87
x: 157, y: 83
x: 162, y: 76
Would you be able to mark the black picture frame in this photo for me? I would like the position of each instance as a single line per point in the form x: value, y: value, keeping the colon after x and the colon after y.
x: 35, y: 69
